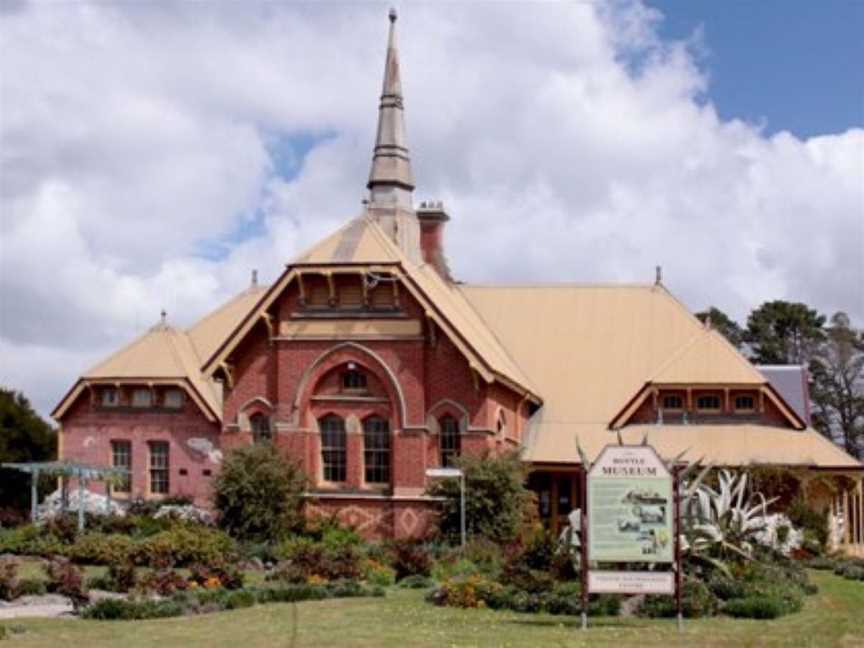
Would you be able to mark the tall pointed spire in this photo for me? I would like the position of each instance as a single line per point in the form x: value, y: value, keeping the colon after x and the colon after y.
x: 391, y: 180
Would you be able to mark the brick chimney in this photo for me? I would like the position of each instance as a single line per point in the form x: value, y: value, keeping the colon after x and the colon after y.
x: 432, y: 217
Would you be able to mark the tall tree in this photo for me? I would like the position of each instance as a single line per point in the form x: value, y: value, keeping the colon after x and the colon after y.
x: 837, y: 369
x: 723, y: 324
x: 780, y: 332
x: 24, y: 436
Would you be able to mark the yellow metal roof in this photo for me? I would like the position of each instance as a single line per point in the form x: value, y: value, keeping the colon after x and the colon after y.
x: 588, y: 349
x: 168, y: 354
x: 708, y: 358
x: 357, y: 241
x: 727, y: 445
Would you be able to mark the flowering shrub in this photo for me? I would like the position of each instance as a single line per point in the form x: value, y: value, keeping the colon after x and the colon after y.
x: 66, y: 579
x: 778, y: 533
x: 466, y: 592
x: 9, y: 581
x: 409, y: 558
x: 219, y: 572
x: 334, y: 557
x: 164, y: 582
x: 183, y: 545
x: 378, y: 574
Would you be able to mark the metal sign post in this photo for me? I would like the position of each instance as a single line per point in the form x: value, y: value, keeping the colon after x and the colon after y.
x: 454, y: 473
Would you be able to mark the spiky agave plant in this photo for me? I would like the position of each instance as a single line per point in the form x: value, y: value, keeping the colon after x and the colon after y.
x: 723, y: 523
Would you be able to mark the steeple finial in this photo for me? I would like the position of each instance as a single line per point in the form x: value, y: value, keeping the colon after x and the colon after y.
x: 391, y: 180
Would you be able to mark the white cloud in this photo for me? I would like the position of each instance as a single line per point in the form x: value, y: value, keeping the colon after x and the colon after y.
x: 133, y: 135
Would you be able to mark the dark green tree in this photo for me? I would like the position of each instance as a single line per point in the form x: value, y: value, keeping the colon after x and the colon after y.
x: 259, y: 494
x: 780, y: 332
x: 837, y: 370
x: 24, y: 436
x: 498, y: 504
x: 723, y: 324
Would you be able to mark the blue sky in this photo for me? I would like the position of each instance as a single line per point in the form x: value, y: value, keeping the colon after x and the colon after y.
x: 790, y: 65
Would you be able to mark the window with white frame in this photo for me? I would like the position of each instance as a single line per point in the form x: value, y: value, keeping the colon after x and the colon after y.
x: 708, y: 403
x: 110, y: 397
x: 745, y: 403
x: 142, y: 398
x: 354, y: 380
x: 673, y: 402
x: 450, y: 440
x: 173, y: 398
x: 261, y: 428
x: 376, y: 450
x: 160, y: 467
x: 121, y: 457
x: 334, y: 448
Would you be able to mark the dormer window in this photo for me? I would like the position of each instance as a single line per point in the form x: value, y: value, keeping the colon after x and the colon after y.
x: 173, y: 399
x: 110, y: 397
x: 673, y: 402
x: 745, y: 403
x: 142, y: 398
x: 708, y: 403
x: 353, y: 380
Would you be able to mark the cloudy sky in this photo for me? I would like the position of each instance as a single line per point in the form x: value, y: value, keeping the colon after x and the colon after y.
x: 152, y: 155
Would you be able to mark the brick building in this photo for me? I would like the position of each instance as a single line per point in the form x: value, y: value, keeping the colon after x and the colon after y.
x: 367, y: 363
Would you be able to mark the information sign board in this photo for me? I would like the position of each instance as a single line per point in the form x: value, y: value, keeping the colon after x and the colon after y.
x: 631, y: 507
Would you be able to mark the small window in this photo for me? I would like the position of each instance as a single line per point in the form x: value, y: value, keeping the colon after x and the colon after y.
x: 351, y: 295
x: 173, y: 399
x: 142, y: 398
x: 207, y: 472
x: 261, y: 428
x: 354, y: 380
x: 318, y: 295
x: 501, y: 426
x: 745, y: 403
x: 183, y: 472
x: 121, y: 457
x: 381, y: 297
x: 708, y: 403
x: 159, y: 467
x: 673, y: 402
x: 110, y: 398
x: 376, y: 450
x: 333, y: 448
x: 450, y: 442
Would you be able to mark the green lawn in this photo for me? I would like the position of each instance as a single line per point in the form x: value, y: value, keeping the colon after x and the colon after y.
x: 835, y: 617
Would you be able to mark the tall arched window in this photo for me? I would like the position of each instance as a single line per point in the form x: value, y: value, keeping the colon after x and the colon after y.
x: 450, y: 441
x: 376, y: 450
x: 260, y: 425
x: 333, y: 448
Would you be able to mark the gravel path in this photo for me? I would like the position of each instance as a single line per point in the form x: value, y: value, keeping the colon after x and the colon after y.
x: 48, y: 606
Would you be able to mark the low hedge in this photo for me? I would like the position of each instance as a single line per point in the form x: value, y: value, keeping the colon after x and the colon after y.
x: 563, y: 598
x: 756, y: 607
x: 197, y: 602
x: 697, y: 600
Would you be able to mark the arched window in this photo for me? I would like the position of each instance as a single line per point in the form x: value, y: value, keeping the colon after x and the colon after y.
x: 376, y: 450
x: 450, y: 441
x: 501, y: 425
x: 333, y: 448
x: 260, y: 425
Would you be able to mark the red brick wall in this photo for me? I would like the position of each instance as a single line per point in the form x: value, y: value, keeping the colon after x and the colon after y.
x: 88, y: 430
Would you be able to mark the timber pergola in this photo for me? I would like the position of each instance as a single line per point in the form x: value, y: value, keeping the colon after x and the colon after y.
x: 64, y: 470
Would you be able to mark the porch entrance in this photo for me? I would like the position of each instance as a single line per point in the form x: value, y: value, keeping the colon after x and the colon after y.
x: 557, y: 495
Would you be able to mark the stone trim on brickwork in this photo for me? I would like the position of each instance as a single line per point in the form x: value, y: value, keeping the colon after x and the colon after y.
x: 303, y: 385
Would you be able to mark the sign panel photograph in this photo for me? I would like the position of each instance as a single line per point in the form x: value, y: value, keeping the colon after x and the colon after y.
x: 631, y: 504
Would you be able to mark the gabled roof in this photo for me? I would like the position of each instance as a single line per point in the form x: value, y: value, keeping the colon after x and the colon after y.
x: 168, y: 355
x: 359, y: 241
x: 587, y: 348
x: 708, y: 358
x: 362, y: 242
